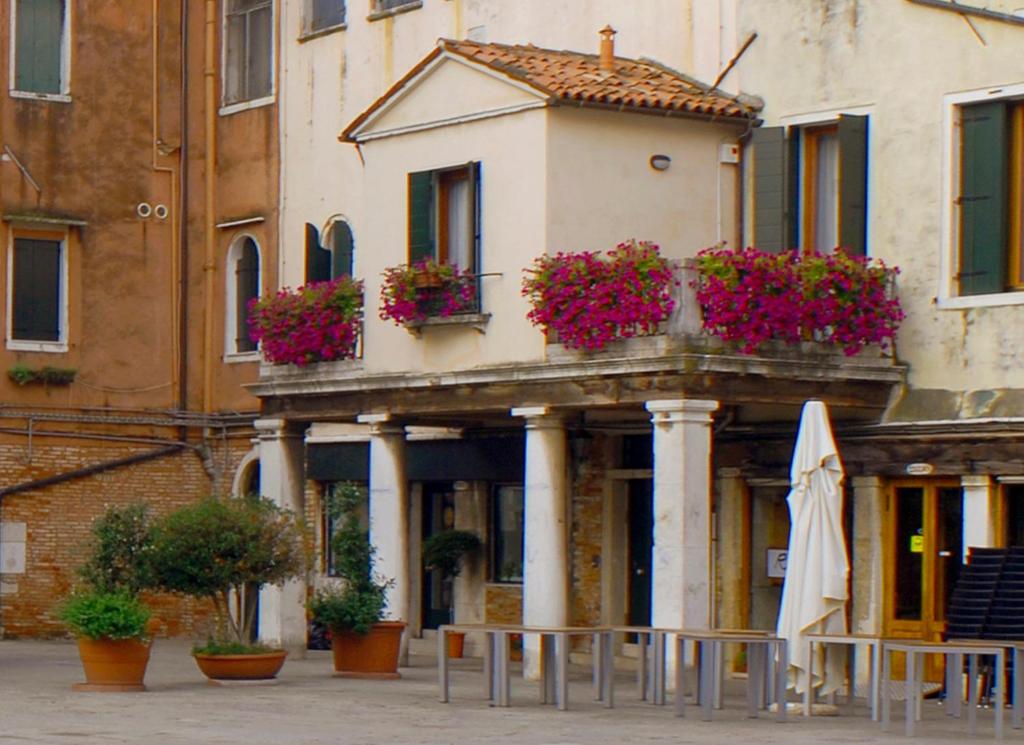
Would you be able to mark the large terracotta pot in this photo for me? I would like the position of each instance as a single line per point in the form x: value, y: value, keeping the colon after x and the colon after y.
x: 374, y: 655
x: 113, y: 665
x: 241, y: 666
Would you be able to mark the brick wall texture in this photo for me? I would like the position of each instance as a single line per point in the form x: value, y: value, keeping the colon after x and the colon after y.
x: 58, y: 520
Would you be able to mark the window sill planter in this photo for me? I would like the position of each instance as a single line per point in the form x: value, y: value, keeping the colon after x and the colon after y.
x: 476, y: 321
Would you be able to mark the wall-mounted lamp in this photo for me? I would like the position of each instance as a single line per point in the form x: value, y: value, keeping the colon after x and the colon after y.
x: 660, y: 162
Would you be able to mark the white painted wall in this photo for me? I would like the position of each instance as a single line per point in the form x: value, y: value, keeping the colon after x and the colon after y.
x: 900, y: 61
x: 327, y: 81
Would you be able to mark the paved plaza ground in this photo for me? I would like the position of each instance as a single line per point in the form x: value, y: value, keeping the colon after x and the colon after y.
x: 310, y: 706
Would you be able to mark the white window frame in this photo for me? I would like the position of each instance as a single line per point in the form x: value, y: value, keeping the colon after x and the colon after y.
x: 949, y: 220
x: 65, y: 60
x: 255, y: 103
x: 26, y: 345
x: 231, y: 353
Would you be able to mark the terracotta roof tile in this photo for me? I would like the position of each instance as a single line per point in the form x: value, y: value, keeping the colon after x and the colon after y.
x: 640, y: 85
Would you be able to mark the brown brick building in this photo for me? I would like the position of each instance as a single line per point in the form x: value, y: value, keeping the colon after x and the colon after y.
x: 138, y: 198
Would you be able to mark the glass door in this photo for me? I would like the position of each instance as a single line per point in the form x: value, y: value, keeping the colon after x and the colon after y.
x: 924, y: 553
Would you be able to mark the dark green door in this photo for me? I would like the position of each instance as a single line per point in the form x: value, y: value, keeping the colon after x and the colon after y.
x: 438, y: 515
x: 641, y: 541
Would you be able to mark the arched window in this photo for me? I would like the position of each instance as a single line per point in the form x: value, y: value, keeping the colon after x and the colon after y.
x: 332, y: 258
x: 243, y: 280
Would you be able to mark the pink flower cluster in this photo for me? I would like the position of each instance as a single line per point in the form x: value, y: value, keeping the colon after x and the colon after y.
x: 426, y: 289
x: 751, y: 296
x: 590, y: 300
x: 315, y: 323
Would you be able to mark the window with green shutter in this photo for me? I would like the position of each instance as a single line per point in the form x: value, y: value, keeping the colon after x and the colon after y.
x: 242, y: 279
x: 39, y: 28
x: 36, y: 294
x: 983, y: 200
x: 444, y: 216
x: 810, y: 186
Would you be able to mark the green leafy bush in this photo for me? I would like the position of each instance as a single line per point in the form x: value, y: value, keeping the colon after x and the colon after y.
x: 218, y: 545
x: 120, y: 551
x: 213, y: 646
x: 360, y: 602
x: 445, y: 550
x: 105, y: 615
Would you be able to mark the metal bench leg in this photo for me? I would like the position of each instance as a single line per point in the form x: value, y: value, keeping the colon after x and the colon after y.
x: 972, y: 692
x: 442, y: 664
x: 659, y: 668
x: 885, y: 693
x: 707, y: 682
x: 608, y: 667
x: 562, y: 657
x: 876, y: 673
x: 910, y: 695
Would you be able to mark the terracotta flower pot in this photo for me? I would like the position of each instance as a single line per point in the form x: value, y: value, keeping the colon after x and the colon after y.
x: 424, y: 280
x: 241, y: 666
x: 113, y: 665
x: 456, y: 644
x: 374, y: 655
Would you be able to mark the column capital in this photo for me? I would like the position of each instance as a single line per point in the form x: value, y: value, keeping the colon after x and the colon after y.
x: 866, y: 482
x: 681, y: 410
x: 277, y: 429
x: 381, y: 424
x: 976, y: 481
x: 539, y: 417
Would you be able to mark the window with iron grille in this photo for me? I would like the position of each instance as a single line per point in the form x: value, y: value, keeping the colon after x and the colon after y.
x: 248, y: 50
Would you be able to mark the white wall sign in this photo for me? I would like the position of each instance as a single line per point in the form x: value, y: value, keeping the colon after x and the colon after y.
x: 12, y: 548
x: 776, y: 562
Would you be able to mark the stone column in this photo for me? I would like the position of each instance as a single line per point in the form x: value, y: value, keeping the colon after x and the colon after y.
x: 282, y: 611
x: 981, y: 503
x: 732, y: 544
x: 681, y: 572
x: 546, y: 543
x: 389, y: 511
x: 867, y: 585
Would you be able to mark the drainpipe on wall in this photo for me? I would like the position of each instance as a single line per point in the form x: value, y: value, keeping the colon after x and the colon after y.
x: 210, y: 164
x: 183, y: 160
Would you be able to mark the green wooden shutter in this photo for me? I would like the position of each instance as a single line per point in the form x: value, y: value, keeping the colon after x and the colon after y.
x: 475, y: 175
x: 770, y: 188
x: 421, y: 216
x: 853, y: 184
x: 318, y: 261
x: 983, y: 198
x: 39, y: 29
x: 794, y: 143
x: 247, y: 287
x: 37, y: 290
x: 343, y: 246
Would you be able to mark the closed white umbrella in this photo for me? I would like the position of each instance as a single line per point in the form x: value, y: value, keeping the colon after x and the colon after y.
x: 815, y: 592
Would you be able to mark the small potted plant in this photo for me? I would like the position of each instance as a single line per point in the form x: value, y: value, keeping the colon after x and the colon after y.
x: 445, y: 552
x: 214, y: 549
x: 113, y: 626
x: 363, y: 645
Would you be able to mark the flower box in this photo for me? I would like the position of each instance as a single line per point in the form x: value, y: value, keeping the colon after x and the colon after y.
x: 753, y: 297
x: 588, y: 300
x: 319, y: 322
x: 413, y: 293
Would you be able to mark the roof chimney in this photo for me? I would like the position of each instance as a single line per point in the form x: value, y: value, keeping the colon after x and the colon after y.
x: 607, y: 63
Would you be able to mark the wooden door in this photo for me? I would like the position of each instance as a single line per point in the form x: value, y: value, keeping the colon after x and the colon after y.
x: 924, y: 553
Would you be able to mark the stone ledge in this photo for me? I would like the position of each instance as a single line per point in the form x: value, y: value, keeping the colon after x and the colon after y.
x: 476, y: 321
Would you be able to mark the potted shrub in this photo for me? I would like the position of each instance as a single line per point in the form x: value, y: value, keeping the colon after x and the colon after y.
x: 444, y: 552
x: 212, y: 549
x: 114, y: 628
x: 363, y: 645
x: 113, y: 642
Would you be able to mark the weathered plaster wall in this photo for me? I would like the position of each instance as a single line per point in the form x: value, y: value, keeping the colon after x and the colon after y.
x: 898, y: 61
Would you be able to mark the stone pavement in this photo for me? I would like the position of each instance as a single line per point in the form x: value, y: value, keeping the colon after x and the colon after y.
x: 309, y: 706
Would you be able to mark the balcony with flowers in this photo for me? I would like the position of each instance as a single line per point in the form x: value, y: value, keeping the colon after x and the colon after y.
x: 632, y: 301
